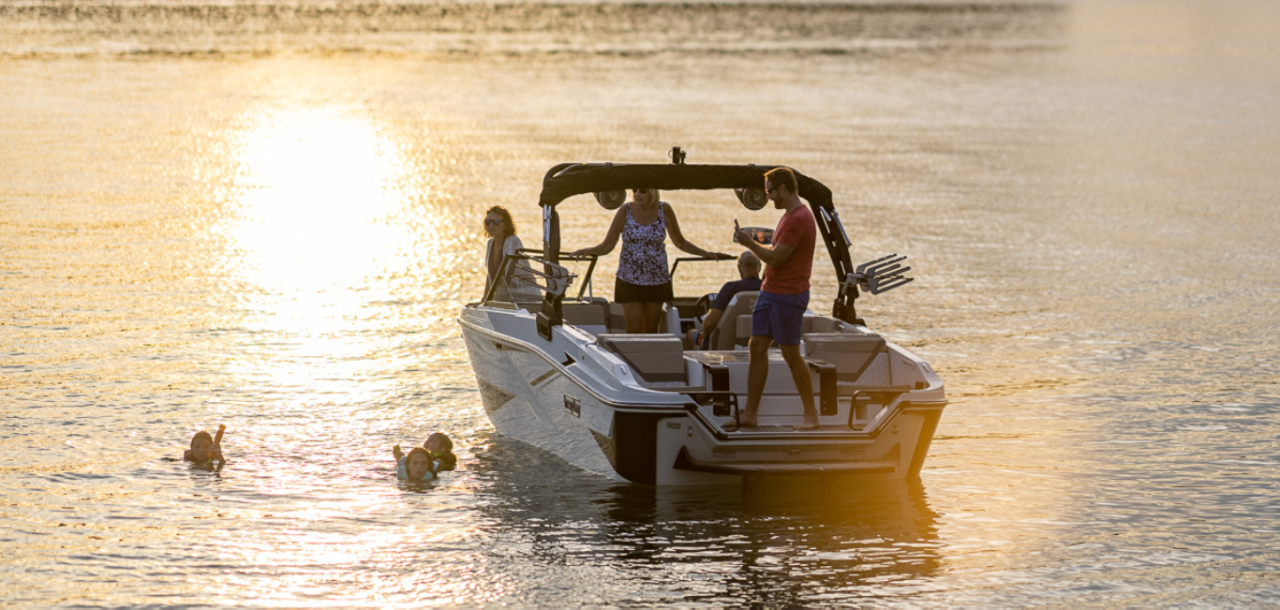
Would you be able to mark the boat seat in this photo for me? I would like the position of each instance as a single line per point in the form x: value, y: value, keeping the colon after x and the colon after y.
x: 669, y: 321
x: 591, y: 317
x: 743, y: 338
x: 655, y: 358
x: 850, y: 353
x: 617, y: 320
x: 810, y: 325
x: 820, y: 324
x: 728, y: 333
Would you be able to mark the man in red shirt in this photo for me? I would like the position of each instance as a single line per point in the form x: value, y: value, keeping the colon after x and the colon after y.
x: 779, y: 313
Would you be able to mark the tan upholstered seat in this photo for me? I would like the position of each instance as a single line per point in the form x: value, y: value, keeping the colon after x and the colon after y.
x: 585, y: 314
x: 726, y: 332
x: 617, y: 319
x: 820, y: 324
x: 850, y: 353
x: 654, y: 358
x: 669, y: 322
x: 743, y: 338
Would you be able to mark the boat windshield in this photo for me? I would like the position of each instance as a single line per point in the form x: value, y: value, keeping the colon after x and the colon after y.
x: 525, y: 279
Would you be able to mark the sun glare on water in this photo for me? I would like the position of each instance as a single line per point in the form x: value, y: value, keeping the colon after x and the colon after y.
x: 318, y: 199
x: 314, y: 222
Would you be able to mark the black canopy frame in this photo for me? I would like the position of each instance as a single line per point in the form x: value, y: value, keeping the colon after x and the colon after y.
x: 569, y: 179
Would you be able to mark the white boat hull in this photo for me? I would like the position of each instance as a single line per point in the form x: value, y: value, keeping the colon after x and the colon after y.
x: 569, y: 396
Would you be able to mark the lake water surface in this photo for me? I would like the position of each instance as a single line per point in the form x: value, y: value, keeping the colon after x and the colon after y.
x: 268, y: 215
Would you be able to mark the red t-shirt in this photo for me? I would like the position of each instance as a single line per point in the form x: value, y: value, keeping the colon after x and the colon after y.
x: 798, y: 230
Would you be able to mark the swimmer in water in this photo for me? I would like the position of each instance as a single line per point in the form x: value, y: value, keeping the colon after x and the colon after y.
x: 441, y: 446
x: 206, y: 449
x: 419, y: 465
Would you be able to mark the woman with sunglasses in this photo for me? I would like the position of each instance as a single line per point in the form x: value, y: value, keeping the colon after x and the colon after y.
x: 502, y: 243
x: 644, y: 282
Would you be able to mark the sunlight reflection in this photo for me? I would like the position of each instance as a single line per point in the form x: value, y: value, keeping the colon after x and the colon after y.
x: 388, y: 559
x: 315, y: 226
x: 319, y: 194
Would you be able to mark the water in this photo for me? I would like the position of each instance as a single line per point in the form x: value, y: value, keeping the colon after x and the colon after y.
x: 268, y: 215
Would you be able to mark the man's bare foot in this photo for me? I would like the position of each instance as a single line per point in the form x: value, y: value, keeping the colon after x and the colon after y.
x: 810, y: 422
x: 742, y: 422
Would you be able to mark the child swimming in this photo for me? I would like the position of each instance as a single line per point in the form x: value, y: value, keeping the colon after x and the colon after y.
x: 419, y: 465
x: 441, y: 446
x: 205, y: 449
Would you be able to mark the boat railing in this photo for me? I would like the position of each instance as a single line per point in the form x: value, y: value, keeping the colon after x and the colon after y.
x: 527, y: 276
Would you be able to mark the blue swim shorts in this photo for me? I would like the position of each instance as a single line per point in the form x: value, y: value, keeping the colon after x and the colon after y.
x: 779, y: 316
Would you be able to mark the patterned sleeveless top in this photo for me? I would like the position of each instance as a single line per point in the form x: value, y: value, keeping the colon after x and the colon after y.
x: 644, y: 252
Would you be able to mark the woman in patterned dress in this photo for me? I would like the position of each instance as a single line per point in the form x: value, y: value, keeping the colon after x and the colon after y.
x: 644, y: 282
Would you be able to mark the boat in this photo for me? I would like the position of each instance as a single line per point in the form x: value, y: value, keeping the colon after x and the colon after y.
x: 555, y: 369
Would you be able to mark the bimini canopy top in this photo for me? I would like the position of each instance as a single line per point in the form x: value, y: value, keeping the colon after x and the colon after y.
x: 569, y: 179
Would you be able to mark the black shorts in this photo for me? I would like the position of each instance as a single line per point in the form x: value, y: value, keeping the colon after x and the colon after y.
x: 626, y: 292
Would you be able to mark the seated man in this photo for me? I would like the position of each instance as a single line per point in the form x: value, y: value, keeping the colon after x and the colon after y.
x: 749, y: 272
